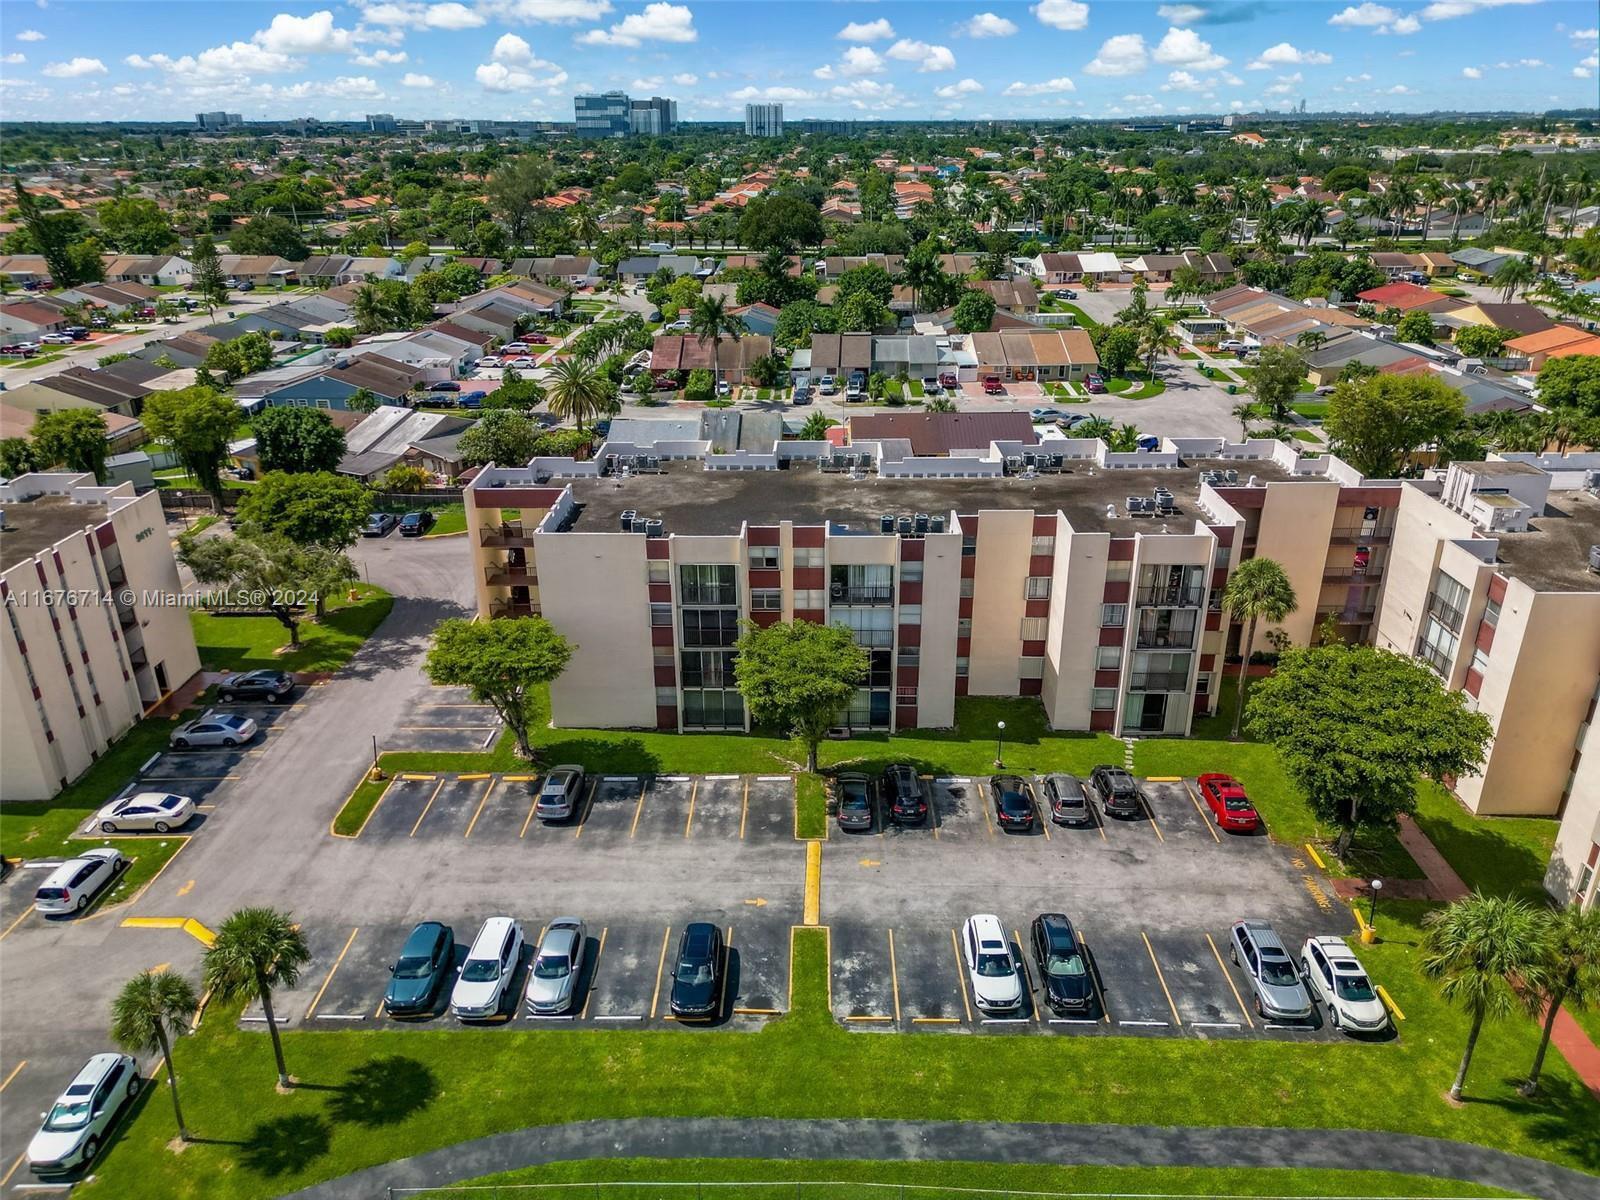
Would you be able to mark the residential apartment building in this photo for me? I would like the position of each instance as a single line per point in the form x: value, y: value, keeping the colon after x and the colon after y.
x: 217, y: 120
x: 1495, y: 584
x: 763, y: 120
x: 87, y: 647
x: 1089, y: 579
x: 653, y: 117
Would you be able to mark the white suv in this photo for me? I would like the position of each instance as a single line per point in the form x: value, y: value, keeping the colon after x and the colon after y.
x: 1336, y: 978
x: 991, y: 967
x: 488, y: 970
x: 79, y: 1120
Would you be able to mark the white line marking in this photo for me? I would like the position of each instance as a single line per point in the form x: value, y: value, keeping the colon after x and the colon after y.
x: 721, y: 777
x: 549, y: 1016
x: 335, y: 1017
x: 774, y: 778
x: 1301, y: 1028
x: 619, y: 1017
x: 672, y: 779
x: 1213, y: 1025
x: 619, y: 779
x: 1004, y: 1021
x: 1071, y: 1021
x: 1145, y: 1024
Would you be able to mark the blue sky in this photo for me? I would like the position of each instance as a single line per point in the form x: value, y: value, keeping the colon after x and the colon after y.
x: 150, y: 59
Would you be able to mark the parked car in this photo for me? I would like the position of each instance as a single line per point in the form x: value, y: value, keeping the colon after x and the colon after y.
x: 158, y: 812
x: 1064, y: 294
x: 1116, y: 791
x: 1013, y: 803
x: 1230, y: 345
x: 491, y: 962
x: 489, y: 360
x: 82, y: 1117
x: 1336, y: 977
x: 1067, y: 800
x: 514, y: 348
x: 856, y: 388
x: 445, y: 385
x: 697, y: 977
x: 379, y: 524
x: 55, y: 339
x: 19, y: 350
x: 415, y: 524
x: 538, y: 339
x: 557, y: 966
x: 992, y: 969
x: 902, y: 792
x: 559, y: 794
x: 472, y: 399
x: 1073, y: 420
x: 855, y: 801
x: 802, y: 390
x: 78, y: 333
x: 1275, y: 985
x: 930, y: 386
x: 1093, y: 383
x: 1046, y: 416
x: 1230, y: 807
x: 246, y: 285
x: 214, y: 729
x: 948, y: 380
x: 426, y: 960
x: 1063, y: 966
x: 724, y: 388
x: 272, y: 686
x: 72, y: 885
x: 992, y: 386
x: 830, y: 386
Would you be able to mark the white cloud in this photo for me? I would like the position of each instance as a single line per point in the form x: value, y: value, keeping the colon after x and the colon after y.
x: 1284, y: 85
x: 988, y: 25
x: 686, y: 79
x: 1232, y: 80
x: 857, y: 61
x: 1062, y: 14
x: 659, y: 22
x: 1047, y: 88
x: 13, y: 60
x: 1528, y: 63
x: 497, y: 77
x: 76, y: 68
x: 1182, y: 81
x: 1471, y: 73
x: 1401, y: 89
x: 412, y: 80
x: 1592, y: 61
x: 548, y: 12
x: 952, y: 91
x: 771, y: 93
x: 866, y: 31
x: 1120, y: 55
x: 511, y: 49
x: 380, y: 58
x: 1285, y: 55
x: 314, y: 34
x: 1580, y: 72
x: 1183, y: 48
x: 1445, y: 10
x: 1180, y: 14
x: 645, y: 85
x: 1405, y: 25
x: 1364, y: 77
x: 869, y: 95
x: 30, y: 35
x: 931, y: 58
x: 408, y: 14
x: 1585, y: 35
x: 453, y: 16
x: 1140, y: 99
x: 1362, y: 15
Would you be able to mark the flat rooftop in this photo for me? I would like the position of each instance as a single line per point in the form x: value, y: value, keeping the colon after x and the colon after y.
x: 1553, y: 555
x: 695, y: 501
x: 37, y: 524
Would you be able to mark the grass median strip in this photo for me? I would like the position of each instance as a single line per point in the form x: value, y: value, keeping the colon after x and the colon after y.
x: 353, y: 816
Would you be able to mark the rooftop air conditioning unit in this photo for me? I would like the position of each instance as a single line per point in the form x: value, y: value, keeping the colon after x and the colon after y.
x: 1594, y: 559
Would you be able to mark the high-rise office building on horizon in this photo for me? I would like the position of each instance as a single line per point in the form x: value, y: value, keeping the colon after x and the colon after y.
x: 602, y: 115
x: 654, y: 116
x: 763, y: 120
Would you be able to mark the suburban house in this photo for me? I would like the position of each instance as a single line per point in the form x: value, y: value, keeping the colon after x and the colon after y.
x: 160, y: 270
x: 341, y: 268
x: 641, y: 267
x: 24, y: 268
x: 758, y: 318
x: 1043, y: 354
x: 30, y: 318
x: 185, y: 349
x: 734, y: 359
x: 1100, y: 265
x: 259, y: 270
x: 332, y: 387
x: 578, y: 270
x: 1558, y: 341
x: 381, y: 440
x: 1519, y: 318
x: 835, y: 354
x: 1484, y: 262
x: 114, y: 297
x: 1273, y: 318
x: 1018, y: 296
x: 935, y: 435
x: 1408, y: 297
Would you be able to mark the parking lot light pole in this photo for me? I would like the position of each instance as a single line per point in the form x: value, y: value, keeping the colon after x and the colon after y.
x: 999, y: 743
x: 1372, y: 907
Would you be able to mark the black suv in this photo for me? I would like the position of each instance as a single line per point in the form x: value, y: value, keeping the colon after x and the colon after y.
x: 1117, y: 792
x: 1013, y: 805
x: 272, y: 686
x: 697, y: 978
x: 1062, y: 965
x: 415, y: 524
x: 903, y: 792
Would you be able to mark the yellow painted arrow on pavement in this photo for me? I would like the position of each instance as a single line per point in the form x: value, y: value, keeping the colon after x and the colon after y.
x: 186, y: 888
x: 870, y: 862
x: 758, y: 902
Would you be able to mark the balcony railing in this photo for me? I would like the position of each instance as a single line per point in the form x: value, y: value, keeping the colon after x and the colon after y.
x: 1359, y: 537
x: 862, y: 595
x: 511, y: 575
x: 1448, y: 614
x: 1347, y: 616
x: 1164, y: 596
x: 1158, y: 681
x: 1336, y: 575
x: 513, y: 608
x: 126, y: 616
x: 505, y: 535
x: 1165, y: 639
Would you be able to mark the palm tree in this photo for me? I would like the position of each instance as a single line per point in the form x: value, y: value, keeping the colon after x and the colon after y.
x: 1156, y: 339
x: 1095, y: 427
x: 585, y: 228
x: 1245, y: 414
x: 577, y: 391
x: 1475, y: 947
x: 256, y: 950
x: 144, y: 1009
x: 1311, y: 339
x: 1514, y: 273
x: 920, y: 272
x: 940, y: 404
x: 710, y: 318
x: 1257, y: 588
x: 1124, y: 439
x: 1572, y: 947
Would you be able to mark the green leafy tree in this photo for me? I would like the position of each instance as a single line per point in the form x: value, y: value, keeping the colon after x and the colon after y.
x: 1165, y: 227
x: 780, y: 222
x: 362, y: 400
x: 506, y: 663
x: 272, y: 566
x: 861, y: 312
x: 55, y: 236
x: 1571, y: 976
x: 146, y: 1012
x: 711, y: 319
x: 210, y: 282
x: 1355, y: 726
x: 816, y: 428
x: 577, y: 391
x: 798, y: 676
x: 869, y: 278
x: 1475, y: 948
x: 940, y: 404
x: 19, y: 457
x: 388, y: 304
x: 1571, y: 382
x: 974, y: 312
x: 240, y: 356
x: 1118, y: 348
x: 257, y: 950
x: 1258, y: 589
x: 401, y: 478
x: 502, y: 436
x: 700, y: 387
x: 310, y: 508
x: 515, y: 188
x: 340, y: 337
x: 1482, y: 341
x: 137, y: 225
x: 1124, y: 439
x: 521, y: 395
x: 73, y: 437
x: 1276, y: 379
x: 297, y: 440
x: 1375, y: 424
x: 1415, y: 327
x: 269, y: 233
x: 197, y: 423
x: 1513, y: 274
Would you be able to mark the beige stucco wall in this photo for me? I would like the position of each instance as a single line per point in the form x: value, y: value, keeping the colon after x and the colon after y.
x: 1296, y: 522
x: 1422, y: 528
x: 1076, y: 596
x: 1165, y: 549
x: 1580, y: 828
x: 999, y: 600
x: 941, y: 600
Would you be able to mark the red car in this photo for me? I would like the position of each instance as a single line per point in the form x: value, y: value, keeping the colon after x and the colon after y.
x: 538, y: 339
x: 947, y: 379
x: 1230, y: 807
x: 992, y: 386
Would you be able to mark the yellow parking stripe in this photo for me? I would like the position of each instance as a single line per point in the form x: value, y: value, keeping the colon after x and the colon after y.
x: 894, y: 975
x: 1094, y: 981
x: 317, y: 999
x: 813, y: 895
x: 961, y: 975
x: 438, y: 787
x: 532, y: 804
x: 481, y: 803
x: 15, y: 1071
x: 6, y: 1178
x: 1160, y: 978
x: 1151, y: 813
x: 1237, y: 997
x: 655, y: 998
x: 638, y: 809
x: 694, y: 789
x: 1211, y: 826
x: 744, y: 808
x: 26, y: 913
x: 588, y: 807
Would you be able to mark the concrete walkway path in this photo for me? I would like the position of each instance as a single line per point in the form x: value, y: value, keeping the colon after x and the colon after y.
x: 957, y: 1141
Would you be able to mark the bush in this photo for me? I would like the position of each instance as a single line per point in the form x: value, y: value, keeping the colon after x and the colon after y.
x: 701, y: 386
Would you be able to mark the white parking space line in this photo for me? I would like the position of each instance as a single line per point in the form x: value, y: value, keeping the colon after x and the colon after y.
x: 1071, y: 1021
x: 618, y: 1017
x: 774, y: 778
x: 1214, y: 1025
x: 1004, y: 1021
x: 1145, y: 1024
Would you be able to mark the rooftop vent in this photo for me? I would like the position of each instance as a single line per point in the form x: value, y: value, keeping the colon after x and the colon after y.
x: 1594, y: 559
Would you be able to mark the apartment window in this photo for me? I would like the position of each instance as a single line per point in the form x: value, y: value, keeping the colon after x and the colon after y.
x: 661, y: 614
x: 1102, y: 699
x: 1480, y: 660
x: 880, y: 669
x: 964, y: 627
x: 862, y: 583
x: 658, y: 570
x: 871, y: 626
x: 665, y: 656
x: 1114, y: 615
x: 809, y: 598
x: 1038, y: 587
x: 707, y: 668
x: 961, y: 667
x: 713, y: 583
x: 1202, y: 685
x: 911, y: 614
x: 905, y: 695
x: 1436, y: 645
x: 1044, y: 544
x: 910, y: 656
x: 969, y: 545
x: 713, y: 709
x: 710, y: 626
x: 1108, y: 658
x: 666, y: 697
x: 1448, y: 602
x: 1491, y: 611
x: 1119, y: 570
x: 1033, y: 628
x: 764, y: 558
x: 766, y: 600
x: 1031, y: 667
x: 1159, y: 671
x: 868, y: 709
x: 808, y: 556
x: 966, y: 589
x: 911, y: 572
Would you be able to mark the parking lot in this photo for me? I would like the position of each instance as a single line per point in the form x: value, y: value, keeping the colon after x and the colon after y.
x: 444, y: 718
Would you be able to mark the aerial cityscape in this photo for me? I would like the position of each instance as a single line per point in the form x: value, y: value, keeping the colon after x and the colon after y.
x: 856, y: 601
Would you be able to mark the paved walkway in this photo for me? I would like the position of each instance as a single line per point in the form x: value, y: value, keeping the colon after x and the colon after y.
x: 956, y: 1141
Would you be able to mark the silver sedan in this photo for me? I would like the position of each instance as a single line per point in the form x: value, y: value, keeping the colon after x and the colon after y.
x: 214, y: 729
x: 152, y: 811
x: 557, y: 965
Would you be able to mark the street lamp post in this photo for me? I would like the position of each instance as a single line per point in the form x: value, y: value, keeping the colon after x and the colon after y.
x: 999, y: 743
x: 1372, y: 908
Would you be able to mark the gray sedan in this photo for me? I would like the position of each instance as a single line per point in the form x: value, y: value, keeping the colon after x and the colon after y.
x: 214, y: 729
x: 557, y: 965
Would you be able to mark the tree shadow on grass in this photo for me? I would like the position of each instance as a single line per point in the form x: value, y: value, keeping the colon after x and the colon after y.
x: 286, y: 1145
x: 1562, y: 1115
x: 384, y: 1091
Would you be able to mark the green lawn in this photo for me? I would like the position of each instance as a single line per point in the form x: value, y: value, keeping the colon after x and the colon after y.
x: 1503, y: 856
x: 1150, y: 387
x: 914, y: 386
x: 1305, y: 435
x: 373, y: 1095
x: 1085, y: 321
x: 865, y: 1179
x: 452, y: 518
x: 251, y: 643
x: 1312, y: 410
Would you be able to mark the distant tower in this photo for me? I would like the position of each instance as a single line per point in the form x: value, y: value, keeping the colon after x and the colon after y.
x: 1302, y: 109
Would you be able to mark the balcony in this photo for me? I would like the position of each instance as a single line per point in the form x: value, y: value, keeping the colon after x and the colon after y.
x: 1158, y: 681
x: 506, y: 535
x: 511, y: 575
x: 138, y: 659
x: 1359, y: 537
x: 513, y: 608
x: 860, y: 596
x: 1165, y: 639
x: 1165, y: 596
x: 116, y: 576
x: 126, y: 617
x: 1350, y: 574
x: 1447, y: 614
x: 1347, y: 616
